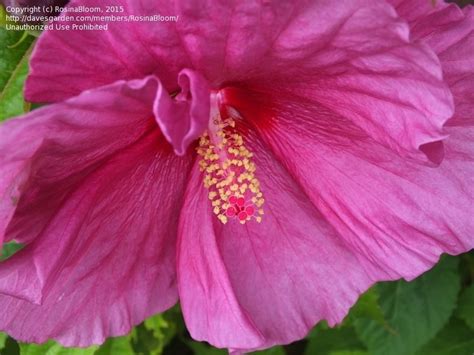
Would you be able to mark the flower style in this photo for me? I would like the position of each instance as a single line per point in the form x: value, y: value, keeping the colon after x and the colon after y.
x: 239, y: 209
x: 262, y: 162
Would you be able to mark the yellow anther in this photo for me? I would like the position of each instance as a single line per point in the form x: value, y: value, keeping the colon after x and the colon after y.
x: 229, y: 173
x: 222, y: 218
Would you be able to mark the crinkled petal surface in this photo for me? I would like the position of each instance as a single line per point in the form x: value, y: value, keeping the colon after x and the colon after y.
x: 222, y: 40
x: 367, y: 70
x: 412, y: 10
x: 397, y: 215
x: 103, y: 123
x: 358, y: 60
x: 449, y: 31
x: 98, y: 213
x: 411, y: 213
x: 58, y: 72
x: 249, y: 287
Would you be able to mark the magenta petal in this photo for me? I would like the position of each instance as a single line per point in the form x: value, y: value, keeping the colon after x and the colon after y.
x: 14, y: 175
x: 449, y: 31
x: 29, y: 147
x: 186, y: 118
x: 361, y: 67
x: 232, y: 40
x: 399, y: 216
x: 373, y: 75
x: 58, y: 72
x: 411, y: 10
x: 210, y: 307
x: 99, y: 213
x: 221, y: 40
x: 104, y: 122
x: 358, y: 62
x: 255, y: 285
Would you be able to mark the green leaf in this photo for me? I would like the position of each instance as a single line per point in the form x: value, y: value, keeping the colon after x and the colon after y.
x: 415, y: 311
x: 12, y: 102
x: 159, y: 326
x: 455, y: 339
x: 465, y: 309
x: 163, y: 327
x: 52, y: 348
x: 9, y: 249
x: 116, y: 346
x: 156, y: 332
x: 204, y: 349
x: 3, y: 17
x: 367, y: 306
x: 276, y: 350
x: 11, y: 53
x: 14, y: 55
x: 467, y: 266
x: 323, y: 340
x: 3, y: 339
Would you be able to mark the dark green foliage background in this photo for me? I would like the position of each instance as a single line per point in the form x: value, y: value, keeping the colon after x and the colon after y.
x: 432, y: 315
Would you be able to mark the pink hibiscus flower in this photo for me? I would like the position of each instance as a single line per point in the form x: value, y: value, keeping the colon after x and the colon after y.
x: 262, y: 163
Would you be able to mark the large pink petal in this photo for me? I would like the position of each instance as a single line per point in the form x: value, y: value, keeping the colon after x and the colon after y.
x: 84, y: 132
x: 64, y: 63
x: 358, y: 59
x: 458, y: 67
x: 359, y: 63
x: 412, y: 10
x: 449, y: 31
x: 398, y: 216
x: 254, y: 285
x: 99, y: 210
x: 367, y: 70
x: 221, y: 40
